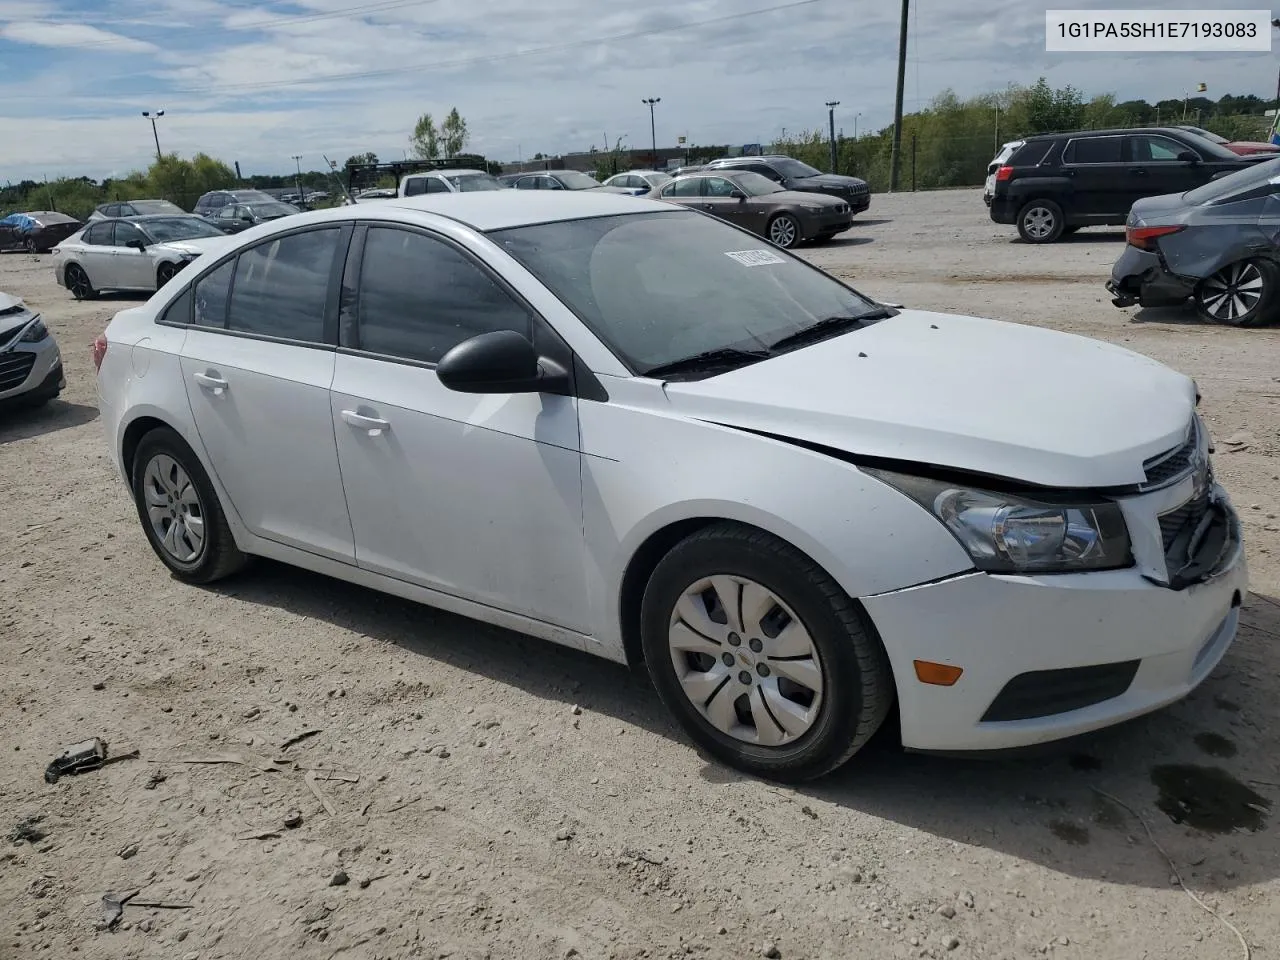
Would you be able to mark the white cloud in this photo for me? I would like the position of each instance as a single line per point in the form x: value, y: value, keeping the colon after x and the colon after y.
x: 246, y: 81
x: 44, y: 34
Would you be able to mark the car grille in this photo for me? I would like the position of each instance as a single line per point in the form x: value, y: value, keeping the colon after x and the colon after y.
x: 1173, y: 465
x: 15, y: 368
x: 1044, y: 693
x: 1188, y: 515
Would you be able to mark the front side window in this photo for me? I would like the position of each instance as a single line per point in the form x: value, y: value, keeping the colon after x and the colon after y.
x: 661, y: 287
x: 126, y: 232
x: 1149, y: 149
x: 415, y: 187
x: 719, y: 187
x: 227, y: 213
x: 211, y: 297
x: 528, y: 183
x: 419, y: 297
x: 1093, y: 150
x: 436, y: 185
x: 281, y: 286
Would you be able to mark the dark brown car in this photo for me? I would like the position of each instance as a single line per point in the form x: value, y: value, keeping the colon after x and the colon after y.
x: 748, y: 200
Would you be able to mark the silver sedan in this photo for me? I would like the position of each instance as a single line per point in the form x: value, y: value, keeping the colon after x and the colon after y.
x: 30, y: 362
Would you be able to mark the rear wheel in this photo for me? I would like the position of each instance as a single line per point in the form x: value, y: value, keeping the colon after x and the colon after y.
x: 1040, y: 221
x: 784, y: 231
x: 78, y: 283
x: 764, y: 660
x: 1242, y: 294
x: 180, y: 512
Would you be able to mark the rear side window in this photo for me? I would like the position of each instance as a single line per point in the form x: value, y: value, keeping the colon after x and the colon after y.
x: 1093, y: 150
x: 1030, y: 154
x: 683, y: 188
x: 179, y: 311
x: 419, y: 297
x: 211, y: 297
x: 99, y: 235
x: 281, y: 286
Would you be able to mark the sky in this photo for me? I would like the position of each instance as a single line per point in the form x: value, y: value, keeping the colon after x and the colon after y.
x: 258, y: 82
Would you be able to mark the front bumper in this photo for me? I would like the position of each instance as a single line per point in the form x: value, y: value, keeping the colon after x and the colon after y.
x: 1139, y: 278
x: 31, y: 371
x: 1049, y: 657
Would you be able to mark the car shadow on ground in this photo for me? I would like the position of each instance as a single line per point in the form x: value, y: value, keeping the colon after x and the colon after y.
x: 858, y: 222
x: 842, y: 241
x: 19, y: 422
x: 1084, y: 236
x: 1043, y: 809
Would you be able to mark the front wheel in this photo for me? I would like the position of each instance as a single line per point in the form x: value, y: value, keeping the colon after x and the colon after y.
x: 763, y: 659
x: 1040, y: 221
x: 1241, y: 294
x: 784, y: 231
x: 164, y: 273
x: 180, y: 512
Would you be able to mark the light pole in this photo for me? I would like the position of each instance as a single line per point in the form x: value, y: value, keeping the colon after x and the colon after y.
x: 831, y: 121
x: 297, y: 178
x: 653, y: 135
x: 855, y: 125
x: 153, y: 116
x: 895, y: 157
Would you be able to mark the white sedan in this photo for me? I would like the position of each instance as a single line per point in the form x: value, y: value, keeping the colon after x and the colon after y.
x: 626, y: 427
x: 138, y: 253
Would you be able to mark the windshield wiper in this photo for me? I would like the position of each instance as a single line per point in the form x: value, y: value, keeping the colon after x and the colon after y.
x: 710, y: 359
x: 828, y: 327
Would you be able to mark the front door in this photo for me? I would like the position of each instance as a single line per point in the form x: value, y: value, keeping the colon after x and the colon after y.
x: 478, y: 496
x: 257, y: 364
x: 1164, y: 172
x: 132, y: 267
x: 718, y: 200
x: 1102, y: 184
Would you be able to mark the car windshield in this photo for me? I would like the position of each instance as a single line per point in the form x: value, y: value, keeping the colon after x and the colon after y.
x: 1211, y: 137
x: 1207, y: 148
x: 661, y: 287
x: 475, y: 181
x: 246, y: 196
x: 573, y: 180
x: 179, y: 228
x: 155, y: 206
x: 794, y: 169
x: 1241, y: 181
x: 272, y: 209
x: 50, y: 218
x: 755, y: 185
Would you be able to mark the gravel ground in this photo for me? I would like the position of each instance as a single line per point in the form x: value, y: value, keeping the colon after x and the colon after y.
x: 488, y: 795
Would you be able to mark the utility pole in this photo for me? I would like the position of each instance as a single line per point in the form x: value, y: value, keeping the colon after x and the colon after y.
x: 831, y: 121
x: 652, y: 129
x: 894, y: 157
x: 297, y: 177
x: 1276, y: 24
x: 855, y: 125
x: 154, y: 115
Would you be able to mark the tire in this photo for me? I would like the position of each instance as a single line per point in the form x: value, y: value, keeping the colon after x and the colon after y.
x: 164, y: 273
x: 166, y: 476
x: 29, y: 245
x: 784, y: 231
x: 1241, y: 294
x: 1040, y: 221
x: 829, y: 722
x: 78, y: 283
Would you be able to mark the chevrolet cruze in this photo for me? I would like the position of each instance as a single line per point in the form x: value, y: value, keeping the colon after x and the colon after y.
x: 630, y: 428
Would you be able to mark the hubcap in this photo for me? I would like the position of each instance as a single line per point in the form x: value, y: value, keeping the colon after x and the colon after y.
x: 745, y: 660
x: 1039, y: 222
x: 783, y: 231
x: 79, y: 283
x: 1233, y: 292
x: 174, y: 509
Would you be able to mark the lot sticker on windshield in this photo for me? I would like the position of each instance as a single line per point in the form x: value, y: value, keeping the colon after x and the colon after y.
x: 755, y: 258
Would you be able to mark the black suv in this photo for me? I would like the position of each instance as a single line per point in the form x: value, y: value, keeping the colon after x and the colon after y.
x: 791, y: 174
x: 1056, y: 183
x: 210, y: 203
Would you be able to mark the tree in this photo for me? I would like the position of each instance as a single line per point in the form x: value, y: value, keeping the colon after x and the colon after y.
x: 453, y: 133
x: 362, y: 158
x: 426, y: 139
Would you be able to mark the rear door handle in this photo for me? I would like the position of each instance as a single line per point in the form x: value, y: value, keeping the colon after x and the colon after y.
x: 374, y: 425
x: 1138, y: 171
x: 216, y: 384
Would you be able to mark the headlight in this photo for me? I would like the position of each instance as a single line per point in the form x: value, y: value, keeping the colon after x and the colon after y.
x: 35, y: 332
x: 815, y: 207
x: 1009, y: 534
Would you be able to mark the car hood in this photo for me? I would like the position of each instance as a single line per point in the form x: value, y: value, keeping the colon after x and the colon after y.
x: 8, y: 301
x: 195, y: 247
x: 800, y: 196
x: 1001, y: 399
x: 829, y: 180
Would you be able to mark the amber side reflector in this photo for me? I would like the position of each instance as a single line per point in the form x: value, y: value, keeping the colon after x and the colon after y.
x: 938, y: 674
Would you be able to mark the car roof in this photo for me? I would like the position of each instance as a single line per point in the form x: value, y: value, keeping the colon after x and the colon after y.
x: 1117, y: 132
x: 749, y: 159
x: 446, y: 173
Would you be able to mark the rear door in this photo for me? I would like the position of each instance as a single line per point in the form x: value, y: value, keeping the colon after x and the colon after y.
x: 687, y: 192
x: 1102, y: 186
x: 258, y: 362
x: 99, y: 254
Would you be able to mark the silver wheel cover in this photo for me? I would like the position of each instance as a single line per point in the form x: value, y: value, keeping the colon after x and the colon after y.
x: 173, y: 508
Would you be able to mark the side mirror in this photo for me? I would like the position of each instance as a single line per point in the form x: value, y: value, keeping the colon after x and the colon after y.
x: 1189, y: 156
x: 247, y: 217
x: 136, y: 244
x: 499, y: 362
x: 737, y: 195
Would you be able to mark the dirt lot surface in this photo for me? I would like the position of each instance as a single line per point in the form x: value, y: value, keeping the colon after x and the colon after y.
x: 506, y: 798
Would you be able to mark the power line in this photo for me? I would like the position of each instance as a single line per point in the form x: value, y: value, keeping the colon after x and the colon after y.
x: 364, y: 9
x: 497, y: 58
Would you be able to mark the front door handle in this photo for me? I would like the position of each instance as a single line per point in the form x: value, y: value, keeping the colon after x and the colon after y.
x: 210, y: 382
x: 371, y: 424
x: 1138, y: 171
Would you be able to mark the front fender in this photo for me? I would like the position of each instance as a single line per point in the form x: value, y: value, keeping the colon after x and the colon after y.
x: 644, y: 470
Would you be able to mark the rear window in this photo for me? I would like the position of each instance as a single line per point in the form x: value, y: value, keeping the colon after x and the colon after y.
x: 1030, y: 154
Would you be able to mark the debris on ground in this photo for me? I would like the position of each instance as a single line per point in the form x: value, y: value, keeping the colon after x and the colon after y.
x: 28, y: 830
x: 81, y: 758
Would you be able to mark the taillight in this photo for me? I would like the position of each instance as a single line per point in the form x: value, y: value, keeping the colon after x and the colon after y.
x: 1004, y: 173
x: 1144, y: 238
x: 99, y: 351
